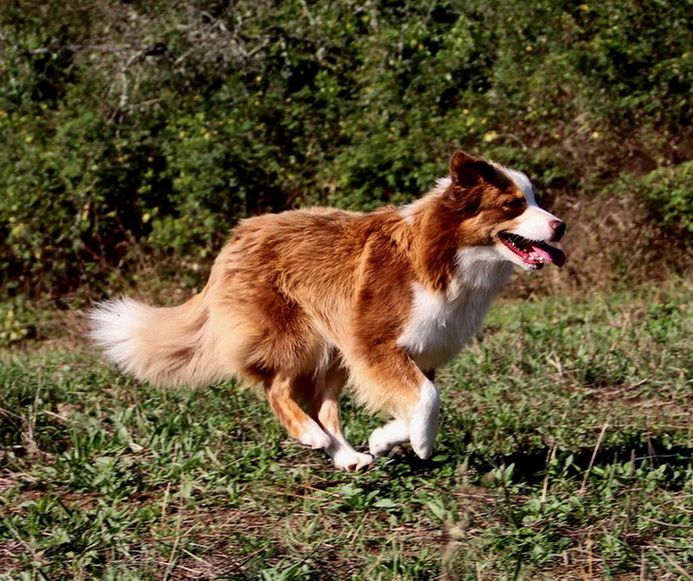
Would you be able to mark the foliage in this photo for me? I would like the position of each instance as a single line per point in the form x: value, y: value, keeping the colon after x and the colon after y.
x: 17, y: 322
x: 668, y: 193
x: 132, y: 131
x: 564, y: 453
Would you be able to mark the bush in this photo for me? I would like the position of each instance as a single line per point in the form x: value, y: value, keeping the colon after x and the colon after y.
x: 668, y: 194
x: 134, y: 130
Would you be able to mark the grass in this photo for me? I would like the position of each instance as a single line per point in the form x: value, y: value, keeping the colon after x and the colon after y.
x: 564, y: 454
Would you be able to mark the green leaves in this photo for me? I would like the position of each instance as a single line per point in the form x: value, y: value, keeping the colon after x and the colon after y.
x: 668, y: 195
x: 150, y: 137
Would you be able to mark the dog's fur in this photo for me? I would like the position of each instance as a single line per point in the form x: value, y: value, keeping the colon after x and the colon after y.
x: 308, y: 301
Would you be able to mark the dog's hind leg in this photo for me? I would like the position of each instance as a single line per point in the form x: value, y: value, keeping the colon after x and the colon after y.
x: 281, y: 394
x: 326, y: 406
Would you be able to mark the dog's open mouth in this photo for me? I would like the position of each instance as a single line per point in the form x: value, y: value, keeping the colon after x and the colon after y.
x: 532, y: 252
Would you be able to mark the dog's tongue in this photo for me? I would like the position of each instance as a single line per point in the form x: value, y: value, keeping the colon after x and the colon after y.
x: 550, y: 253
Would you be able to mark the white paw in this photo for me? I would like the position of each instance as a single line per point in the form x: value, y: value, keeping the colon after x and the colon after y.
x: 315, y: 438
x: 423, y: 427
x: 378, y: 444
x: 347, y: 459
x: 423, y: 447
x: 383, y: 439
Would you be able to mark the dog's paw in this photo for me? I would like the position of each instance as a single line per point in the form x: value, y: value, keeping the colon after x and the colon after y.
x: 383, y: 439
x: 378, y: 443
x: 315, y: 438
x: 346, y: 459
x: 422, y: 448
x: 422, y: 435
x: 423, y: 427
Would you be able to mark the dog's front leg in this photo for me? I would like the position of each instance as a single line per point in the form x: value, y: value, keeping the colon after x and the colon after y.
x: 420, y: 429
x: 389, y: 380
x: 383, y: 439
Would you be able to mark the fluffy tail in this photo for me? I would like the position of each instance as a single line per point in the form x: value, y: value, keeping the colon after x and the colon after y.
x: 165, y: 346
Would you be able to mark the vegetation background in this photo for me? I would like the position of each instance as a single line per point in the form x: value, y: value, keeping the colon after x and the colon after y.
x: 135, y: 134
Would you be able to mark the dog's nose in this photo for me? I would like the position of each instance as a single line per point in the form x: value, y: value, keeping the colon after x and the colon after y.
x: 558, y: 228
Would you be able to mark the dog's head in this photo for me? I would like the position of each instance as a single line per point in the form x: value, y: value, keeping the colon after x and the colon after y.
x: 500, y: 211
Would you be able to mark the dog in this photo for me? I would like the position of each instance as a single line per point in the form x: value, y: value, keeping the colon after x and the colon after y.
x: 306, y: 302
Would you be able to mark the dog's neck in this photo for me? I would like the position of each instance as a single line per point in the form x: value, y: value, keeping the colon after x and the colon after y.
x: 439, y: 262
x: 480, y: 267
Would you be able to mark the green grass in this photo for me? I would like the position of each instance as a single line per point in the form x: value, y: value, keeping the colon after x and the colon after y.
x: 564, y: 453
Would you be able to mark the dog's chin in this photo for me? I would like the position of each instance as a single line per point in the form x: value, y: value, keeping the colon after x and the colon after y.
x: 527, y: 254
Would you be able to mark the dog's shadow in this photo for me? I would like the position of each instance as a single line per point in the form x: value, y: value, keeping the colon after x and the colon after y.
x: 402, y: 461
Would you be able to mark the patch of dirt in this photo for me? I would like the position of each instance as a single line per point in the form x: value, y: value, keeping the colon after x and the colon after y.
x: 10, y: 556
x: 217, y: 538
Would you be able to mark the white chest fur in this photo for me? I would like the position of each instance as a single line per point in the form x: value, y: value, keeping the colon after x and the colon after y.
x: 441, y: 323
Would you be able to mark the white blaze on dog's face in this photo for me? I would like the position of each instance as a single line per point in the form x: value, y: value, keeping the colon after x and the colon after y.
x: 525, y: 241
x: 496, y: 208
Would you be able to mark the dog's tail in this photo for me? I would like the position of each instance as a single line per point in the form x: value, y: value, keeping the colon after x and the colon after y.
x: 165, y: 346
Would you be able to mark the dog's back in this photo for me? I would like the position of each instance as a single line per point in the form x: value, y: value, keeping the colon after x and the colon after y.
x: 279, y: 296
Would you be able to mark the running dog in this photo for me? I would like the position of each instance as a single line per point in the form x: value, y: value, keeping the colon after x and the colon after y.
x: 306, y: 302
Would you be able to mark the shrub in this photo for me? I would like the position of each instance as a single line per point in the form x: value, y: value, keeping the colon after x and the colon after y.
x: 134, y: 130
x: 668, y: 193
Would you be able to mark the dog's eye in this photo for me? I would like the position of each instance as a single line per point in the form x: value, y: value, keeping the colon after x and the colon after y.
x: 514, y: 204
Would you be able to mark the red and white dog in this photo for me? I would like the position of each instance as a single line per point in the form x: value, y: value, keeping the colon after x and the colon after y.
x: 307, y: 302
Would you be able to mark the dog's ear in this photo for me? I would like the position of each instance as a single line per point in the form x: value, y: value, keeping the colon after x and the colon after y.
x: 468, y: 171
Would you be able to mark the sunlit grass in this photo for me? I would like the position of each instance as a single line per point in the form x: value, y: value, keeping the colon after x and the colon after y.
x: 564, y: 453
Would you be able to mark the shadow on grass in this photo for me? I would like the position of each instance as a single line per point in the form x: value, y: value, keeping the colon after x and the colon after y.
x: 530, y: 466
